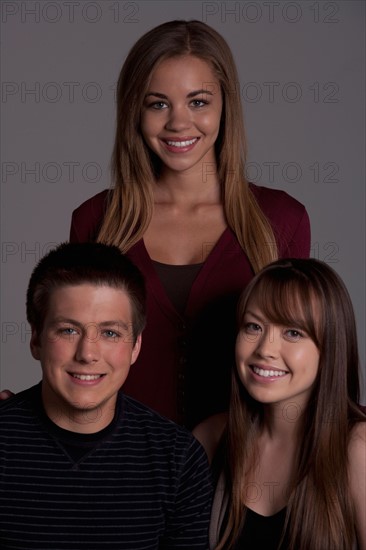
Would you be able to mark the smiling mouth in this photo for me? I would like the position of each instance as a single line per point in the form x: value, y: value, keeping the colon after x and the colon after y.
x: 185, y: 143
x: 268, y: 373
x: 87, y: 377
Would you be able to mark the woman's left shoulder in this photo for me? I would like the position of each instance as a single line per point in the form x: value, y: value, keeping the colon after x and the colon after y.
x: 288, y: 218
x: 357, y: 441
x: 357, y: 460
x: 209, y: 433
x: 272, y: 199
x: 357, y: 479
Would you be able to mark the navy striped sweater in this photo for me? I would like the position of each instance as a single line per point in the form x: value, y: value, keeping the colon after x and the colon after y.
x: 143, y: 485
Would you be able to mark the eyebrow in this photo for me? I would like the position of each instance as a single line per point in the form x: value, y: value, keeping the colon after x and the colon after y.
x: 118, y: 323
x: 103, y: 324
x: 191, y: 94
x: 258, y: 317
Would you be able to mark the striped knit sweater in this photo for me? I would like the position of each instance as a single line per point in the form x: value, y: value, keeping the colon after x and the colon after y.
x: 144, y: 484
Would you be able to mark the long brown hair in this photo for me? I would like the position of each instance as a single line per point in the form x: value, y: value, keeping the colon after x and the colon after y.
x: 134, y: 166
x: 307, y: 294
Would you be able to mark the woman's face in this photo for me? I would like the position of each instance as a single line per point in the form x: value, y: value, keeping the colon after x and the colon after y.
x: 181, y: 114
x: 276, y: 363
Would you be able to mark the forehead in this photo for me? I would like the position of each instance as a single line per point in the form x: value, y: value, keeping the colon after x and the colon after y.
x: 88, y: 302
x: 186, y: 72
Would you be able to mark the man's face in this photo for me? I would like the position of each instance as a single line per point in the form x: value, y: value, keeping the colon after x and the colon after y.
x: 86, y: 348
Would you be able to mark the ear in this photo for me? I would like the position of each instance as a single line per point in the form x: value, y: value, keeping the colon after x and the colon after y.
x: 35, y: 344
x: 136, y: 349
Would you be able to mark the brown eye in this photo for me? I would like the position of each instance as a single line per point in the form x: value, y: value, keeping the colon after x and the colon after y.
x: 293, y: 334
x: 199, y: 103
x: 252, y: 328
x: 158, y: 105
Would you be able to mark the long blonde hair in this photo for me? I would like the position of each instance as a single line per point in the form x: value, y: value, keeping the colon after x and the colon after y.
x: 309, y: 295
x: 134, y: 165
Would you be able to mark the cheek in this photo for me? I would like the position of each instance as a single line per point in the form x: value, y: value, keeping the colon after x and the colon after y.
x: 315, y: 364
x: 210, y: 123
x: 246, y: 344
x: 143, y: 127
x: 56, y: 349
x: 309, y: 359
x: 241, y: 354
x: 120, y: 356
x: 150, y: 124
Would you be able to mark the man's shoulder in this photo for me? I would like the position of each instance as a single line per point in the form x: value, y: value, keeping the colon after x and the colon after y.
x: 146, y: 415
x: 18, y: 413
x: 148, y: 422
x: 20, y: 400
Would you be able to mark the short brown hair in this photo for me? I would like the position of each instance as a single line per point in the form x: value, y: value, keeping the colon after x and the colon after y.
x: 76, y: 263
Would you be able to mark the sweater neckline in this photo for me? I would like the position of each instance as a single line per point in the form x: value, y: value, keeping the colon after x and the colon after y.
x: 156, y: 286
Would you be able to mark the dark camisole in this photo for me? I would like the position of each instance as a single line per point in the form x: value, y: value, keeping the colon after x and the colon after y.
x: 262, y: 531
x: 177, y: 281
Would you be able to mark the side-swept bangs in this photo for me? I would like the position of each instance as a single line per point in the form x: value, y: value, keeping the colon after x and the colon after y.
x: 310, y: 295
x: 285, y: 297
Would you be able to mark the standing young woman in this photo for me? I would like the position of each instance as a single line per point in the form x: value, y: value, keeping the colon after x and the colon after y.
x: 184, y: 213
x: 292, y: 457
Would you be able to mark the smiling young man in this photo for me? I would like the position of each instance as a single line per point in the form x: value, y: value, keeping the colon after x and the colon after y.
x: 81, y: 464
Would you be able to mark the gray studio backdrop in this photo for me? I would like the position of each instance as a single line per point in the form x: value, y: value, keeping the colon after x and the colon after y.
x: 302, y: 80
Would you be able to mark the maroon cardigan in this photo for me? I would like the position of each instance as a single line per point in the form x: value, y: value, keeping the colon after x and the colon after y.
x: 183, y: 370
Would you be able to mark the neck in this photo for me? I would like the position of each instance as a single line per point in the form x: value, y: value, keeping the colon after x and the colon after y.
x: 188, y: 188
x: 282, y: 421
x: 81, y: 420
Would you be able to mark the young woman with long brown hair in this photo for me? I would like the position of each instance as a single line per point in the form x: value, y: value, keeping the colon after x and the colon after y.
x: 292, y: 451
x: 182, y: 210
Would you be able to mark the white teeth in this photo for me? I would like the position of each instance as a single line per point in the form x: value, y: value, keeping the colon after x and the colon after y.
x: 87, y: 377
x: 268, y: 373
x: 182, y: 143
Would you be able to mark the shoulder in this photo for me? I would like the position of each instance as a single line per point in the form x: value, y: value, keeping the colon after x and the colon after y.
x: 93, y: 201
x: 20, y: 399
x: 87, y: 217
x: 357, y: 447
x: 161, y: 442
x: 94, y: 205
x: 271, y: 200
x: 19, y: 410
x: 357, y: 479
x: 209, y: 433
x: 288, y: 218
x: 153, y: 426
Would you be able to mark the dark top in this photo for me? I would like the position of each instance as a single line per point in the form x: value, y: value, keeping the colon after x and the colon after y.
x: 177, y: 281
x: 185, y: 360
x: 143, y: 485
x: 262, y: 531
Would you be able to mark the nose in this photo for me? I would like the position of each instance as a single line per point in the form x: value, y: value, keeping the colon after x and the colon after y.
x: 87, y: 350
x: 269, y: 343
x: 179, y: 119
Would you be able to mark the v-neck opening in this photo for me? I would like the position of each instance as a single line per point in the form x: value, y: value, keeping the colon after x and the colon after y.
x: 158, y: 287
